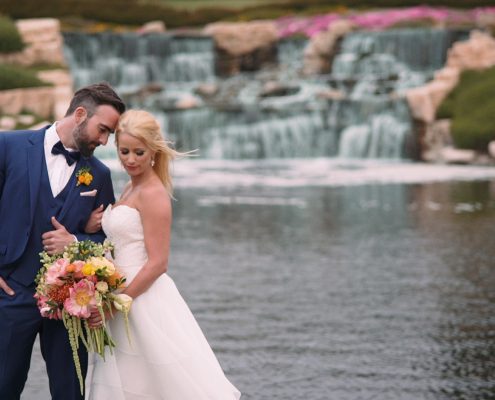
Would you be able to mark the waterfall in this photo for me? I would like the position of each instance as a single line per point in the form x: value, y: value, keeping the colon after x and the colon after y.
x: 228, y: 135
x: 243, y: 120
x: 374, y: 69
x: 129, y: 61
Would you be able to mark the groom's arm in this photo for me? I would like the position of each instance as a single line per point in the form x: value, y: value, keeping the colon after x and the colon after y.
x: 2, y: 162
x: 3, y: 285
x: 55, y: 241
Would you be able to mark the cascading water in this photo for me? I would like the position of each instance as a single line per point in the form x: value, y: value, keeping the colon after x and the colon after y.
x: 130, y: 61
x: 374, y: 69
x: 276, y: 112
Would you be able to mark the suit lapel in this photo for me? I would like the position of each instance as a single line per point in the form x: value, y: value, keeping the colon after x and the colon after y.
x: 34, y: 164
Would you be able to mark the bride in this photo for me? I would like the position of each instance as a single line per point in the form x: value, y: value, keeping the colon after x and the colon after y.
x: 168, y: 356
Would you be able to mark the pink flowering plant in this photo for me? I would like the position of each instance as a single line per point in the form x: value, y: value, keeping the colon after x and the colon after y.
x: 71, y: 284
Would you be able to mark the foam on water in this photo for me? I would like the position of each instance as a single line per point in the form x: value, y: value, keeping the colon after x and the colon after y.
x: 314, y: 172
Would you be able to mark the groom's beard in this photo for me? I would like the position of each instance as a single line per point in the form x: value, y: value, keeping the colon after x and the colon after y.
x: 81, y: 137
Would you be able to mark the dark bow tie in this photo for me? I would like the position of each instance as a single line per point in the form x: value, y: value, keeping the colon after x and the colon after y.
x: 70, y: 156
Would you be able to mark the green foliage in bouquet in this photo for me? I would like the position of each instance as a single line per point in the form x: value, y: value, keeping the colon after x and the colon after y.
x: 471, y: 106
x: 10, y: 40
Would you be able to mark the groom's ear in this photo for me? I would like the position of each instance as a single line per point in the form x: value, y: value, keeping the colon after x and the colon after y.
x: 80, y: 115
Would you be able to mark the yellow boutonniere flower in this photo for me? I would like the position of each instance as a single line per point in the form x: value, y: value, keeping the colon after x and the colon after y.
x: 84, y: 176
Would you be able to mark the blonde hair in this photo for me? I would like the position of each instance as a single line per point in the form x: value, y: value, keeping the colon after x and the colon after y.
x: 143, y: 126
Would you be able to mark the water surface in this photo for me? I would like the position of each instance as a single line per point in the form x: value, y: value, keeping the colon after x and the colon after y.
x: 367, y: 290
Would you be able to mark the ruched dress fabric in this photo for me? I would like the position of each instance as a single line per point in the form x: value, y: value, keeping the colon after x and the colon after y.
x: 168, y: 357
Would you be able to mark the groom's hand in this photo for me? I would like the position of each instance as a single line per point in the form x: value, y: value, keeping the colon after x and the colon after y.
x: 6, y: 288
x: 94, y: 221
x: 55, y: 241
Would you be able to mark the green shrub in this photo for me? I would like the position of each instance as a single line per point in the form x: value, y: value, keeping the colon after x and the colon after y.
x: 10, y: 40
x: 14, y: 77
x: 446, y: 109
x: 471, y: 105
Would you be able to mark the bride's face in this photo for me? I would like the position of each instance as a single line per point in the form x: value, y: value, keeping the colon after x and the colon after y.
x: 134, y: 155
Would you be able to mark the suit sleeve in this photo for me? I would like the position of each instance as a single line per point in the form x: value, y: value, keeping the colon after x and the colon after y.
x: 3, y: 168
x: 105, y: 196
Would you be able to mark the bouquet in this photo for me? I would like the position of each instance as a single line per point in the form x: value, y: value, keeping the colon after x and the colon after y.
x: 70, y: 284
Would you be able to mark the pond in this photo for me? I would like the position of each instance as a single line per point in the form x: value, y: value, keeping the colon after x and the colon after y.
x: 326, y: 280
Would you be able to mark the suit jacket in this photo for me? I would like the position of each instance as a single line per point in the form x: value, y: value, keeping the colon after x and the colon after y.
x: 21, y: 163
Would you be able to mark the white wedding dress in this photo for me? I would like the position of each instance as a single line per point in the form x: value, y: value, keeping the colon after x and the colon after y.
x: 168, y: 357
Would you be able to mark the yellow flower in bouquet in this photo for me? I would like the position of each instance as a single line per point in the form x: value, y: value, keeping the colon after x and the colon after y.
x: 103, y: 265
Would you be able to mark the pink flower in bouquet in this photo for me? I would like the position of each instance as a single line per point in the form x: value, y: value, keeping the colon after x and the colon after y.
x: 82, y: 296
x: 55, y: 271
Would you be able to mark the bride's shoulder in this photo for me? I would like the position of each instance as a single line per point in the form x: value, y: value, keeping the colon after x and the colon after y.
x: 153, y: 195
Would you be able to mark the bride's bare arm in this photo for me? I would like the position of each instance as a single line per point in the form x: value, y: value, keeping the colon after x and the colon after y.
x: 155, y: 208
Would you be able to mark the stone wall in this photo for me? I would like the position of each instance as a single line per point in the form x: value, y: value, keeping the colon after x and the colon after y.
x: 43, y: 40
x: 44, y: 45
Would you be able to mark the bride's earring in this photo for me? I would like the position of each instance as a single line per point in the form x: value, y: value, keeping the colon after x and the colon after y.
x: 152, y: 162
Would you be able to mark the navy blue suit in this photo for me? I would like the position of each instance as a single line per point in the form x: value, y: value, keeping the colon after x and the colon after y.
x: 26, y: 206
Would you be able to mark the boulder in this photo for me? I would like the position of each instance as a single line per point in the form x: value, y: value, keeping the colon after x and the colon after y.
x: 276, y: 89
x: 153, y: 27
x: 39, y: 101
x: 7, y: 123
x: 451, y: 155
x: 26, y: 119
x: 243, y: 46
x: 476, y: 53
x: 186, y: 102
x: 244, y: 37
x: 62, y: 90
x: 424, y: 100
x: 331, y: 94
x: 319, y: 52
x: 437, y: 137
x: 207, y: 90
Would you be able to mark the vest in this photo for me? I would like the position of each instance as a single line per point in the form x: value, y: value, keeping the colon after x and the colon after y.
x: 27, y: 266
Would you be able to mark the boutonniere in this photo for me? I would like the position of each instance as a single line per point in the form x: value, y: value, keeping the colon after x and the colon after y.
x: 84, y: 176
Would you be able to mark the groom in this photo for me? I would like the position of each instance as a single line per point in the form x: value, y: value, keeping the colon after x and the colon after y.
x: 43, y: 207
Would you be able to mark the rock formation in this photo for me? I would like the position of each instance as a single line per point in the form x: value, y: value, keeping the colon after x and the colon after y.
x: 319, y: 53
x: 243, y: 46
x: 477, y: 53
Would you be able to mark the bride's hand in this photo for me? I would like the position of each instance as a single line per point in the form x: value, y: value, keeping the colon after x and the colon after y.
x: 95, y: 320
x: 94, y: 222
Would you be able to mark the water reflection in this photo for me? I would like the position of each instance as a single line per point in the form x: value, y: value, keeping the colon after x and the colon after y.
x: 359, y: 292
x: 365, y: 292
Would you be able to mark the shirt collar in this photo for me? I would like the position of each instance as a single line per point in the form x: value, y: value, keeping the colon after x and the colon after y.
x: 52, y: 137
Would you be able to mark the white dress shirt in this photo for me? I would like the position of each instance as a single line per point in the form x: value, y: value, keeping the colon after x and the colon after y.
x: 59, y: 172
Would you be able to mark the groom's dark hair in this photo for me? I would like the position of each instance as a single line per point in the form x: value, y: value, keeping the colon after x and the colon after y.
x: 92, y: 96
